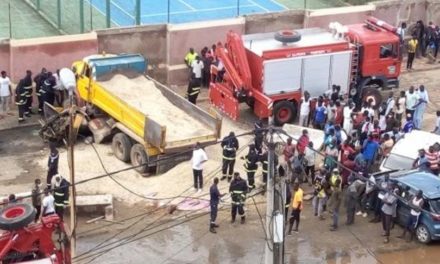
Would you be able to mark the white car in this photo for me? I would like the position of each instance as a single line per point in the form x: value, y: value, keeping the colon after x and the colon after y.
x: 405, y: 151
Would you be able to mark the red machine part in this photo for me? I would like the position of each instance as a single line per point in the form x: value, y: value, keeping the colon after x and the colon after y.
x: 22, y: 241
x: 382, y: 24
x: 237, y: 81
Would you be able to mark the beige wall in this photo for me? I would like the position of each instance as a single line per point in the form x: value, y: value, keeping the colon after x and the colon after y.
x: 271, y: 22
x: 344, y: 15
x: 52, y: 52
x: 395, y: 11
x: 150, y: 41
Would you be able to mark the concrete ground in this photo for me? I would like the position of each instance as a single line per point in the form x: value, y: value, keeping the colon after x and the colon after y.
x: 187, y: 240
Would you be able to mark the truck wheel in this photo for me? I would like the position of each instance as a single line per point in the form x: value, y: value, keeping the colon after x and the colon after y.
x: 121, y: 146
x: 422, y: 234
x: 16, y: 216
x: 287, y: 36
x: 138, y: 156
x: 372, y: 93
x: 284, y: 112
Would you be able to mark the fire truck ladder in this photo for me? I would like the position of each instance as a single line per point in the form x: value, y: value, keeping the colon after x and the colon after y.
x: 355, y: 63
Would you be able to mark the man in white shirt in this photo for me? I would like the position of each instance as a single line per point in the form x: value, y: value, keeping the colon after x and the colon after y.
x: 411, y: 101
x: 304, y: 110
x: 348, y: 119
x: 48, y: 203
x: 385, y: 109
x: 5, y: 93
x: 198, y: 158
x: 197, y: 68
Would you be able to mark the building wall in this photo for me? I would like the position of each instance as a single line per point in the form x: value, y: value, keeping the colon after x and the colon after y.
x: 150, y: 41
x: 271, y: 22
x: 4, y: 55
x: 52, y: 52
x: 344, y: 15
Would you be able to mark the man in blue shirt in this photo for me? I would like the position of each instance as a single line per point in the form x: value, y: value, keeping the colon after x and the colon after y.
x: 369, y: 150
x: 214, y: 201
x: 320, y: 115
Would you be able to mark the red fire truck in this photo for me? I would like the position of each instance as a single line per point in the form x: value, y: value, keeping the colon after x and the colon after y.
x: 270, y: 71
x: 22, y: 241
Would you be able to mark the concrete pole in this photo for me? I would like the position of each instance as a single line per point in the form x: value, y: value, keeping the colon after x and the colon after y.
x: 72, y: 197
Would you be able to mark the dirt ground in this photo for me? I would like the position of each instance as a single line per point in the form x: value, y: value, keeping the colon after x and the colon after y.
x: 187, y: 240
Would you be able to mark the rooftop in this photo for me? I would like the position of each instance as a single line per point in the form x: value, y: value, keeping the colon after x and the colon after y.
x: 258, y: 43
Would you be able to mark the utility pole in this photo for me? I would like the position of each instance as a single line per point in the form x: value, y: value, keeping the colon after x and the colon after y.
x: 72, y: 198
x: 274, y: 251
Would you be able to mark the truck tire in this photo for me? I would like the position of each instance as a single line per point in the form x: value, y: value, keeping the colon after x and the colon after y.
x: 372, y: 93
x: 284, y: 112
x: 16, y: 216
x: 287, y: 36
x: 138, y: 156
x: 121, y: 146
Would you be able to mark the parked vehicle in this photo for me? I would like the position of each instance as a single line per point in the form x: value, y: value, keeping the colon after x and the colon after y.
x: 428, y: 227
x: 270, y: 71
x: 405, y: 151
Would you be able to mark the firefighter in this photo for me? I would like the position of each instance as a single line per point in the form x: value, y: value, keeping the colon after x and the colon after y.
x: 61, y: 195
x: 259, y: 136
x: 27, y: 83
x: 47, y: 90
x: 39, y: 80
x: 238, y: 190
x: 20, y: 100
x: 251, y: 165
x: 230, y: 146
x: 52, y: 164
x: 193, y: 89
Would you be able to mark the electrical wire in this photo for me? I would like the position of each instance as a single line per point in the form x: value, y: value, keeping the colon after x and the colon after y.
x: 266, y: 238
x: 213, y: 173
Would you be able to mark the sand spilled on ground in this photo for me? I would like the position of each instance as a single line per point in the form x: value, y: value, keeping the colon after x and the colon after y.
x: 142, y: 94
x: 177, y: 181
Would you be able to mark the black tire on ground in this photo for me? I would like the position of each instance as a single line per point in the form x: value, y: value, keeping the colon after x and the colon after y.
x: 121, y: 146
x: 373, y: 94
x: 422, y: 234
x: 16, y: 216
x: 284, y: 112
x: 138, y: 156
x: 287, y: 36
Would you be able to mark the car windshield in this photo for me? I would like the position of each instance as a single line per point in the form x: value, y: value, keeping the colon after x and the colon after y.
x: 397, y: 162
x: 435, y: 205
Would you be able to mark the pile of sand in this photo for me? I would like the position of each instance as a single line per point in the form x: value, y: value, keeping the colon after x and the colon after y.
x: 142, y: 94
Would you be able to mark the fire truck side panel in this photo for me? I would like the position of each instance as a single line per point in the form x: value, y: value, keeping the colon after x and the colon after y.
x: 282, y: 76
x: 340, y: 71
x: 256, y: 67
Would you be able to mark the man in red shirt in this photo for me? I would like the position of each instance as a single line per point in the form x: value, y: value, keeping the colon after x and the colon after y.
x: 288, y: 152
x: 303, y: 142
x: 339, y: 113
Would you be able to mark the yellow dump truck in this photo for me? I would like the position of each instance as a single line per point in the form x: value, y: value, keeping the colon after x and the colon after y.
x: 147, y: 122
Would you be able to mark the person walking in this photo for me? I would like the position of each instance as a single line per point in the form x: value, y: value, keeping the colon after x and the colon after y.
x: 416, y: 204
x: 48, y: 203
x: 230, y: 146
x: 334, y: 203
x: 36, y: 198
x: 389, y: 201
x: 213, y: 202
x: 193, y: 90
x: 412, y: 47
x: 304, y: 110
x: 238, y: 189
x: 198, y: 158
x: 61, y: 195
x: 296, y: 207
x: 420, y: 107
x: 52, y: 164
x: 27, y: 84
x: 5, y: 93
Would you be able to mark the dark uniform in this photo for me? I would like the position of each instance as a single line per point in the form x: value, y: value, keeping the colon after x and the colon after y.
x: 52, y: 165
x: 27, y: 83
x: 238, y: 190
x: 61, y: 195
x: 193, y: 90
x: 251, y: 165
x: 259, y: 136
x: 213, y: 202
x: 47, y: 92
x: 39, y: 81
x: 230, y: 146
x: 264, y: 159
x: 20, y: 100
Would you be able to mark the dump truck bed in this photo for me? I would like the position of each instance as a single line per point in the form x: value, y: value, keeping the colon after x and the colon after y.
x: 153, y: 112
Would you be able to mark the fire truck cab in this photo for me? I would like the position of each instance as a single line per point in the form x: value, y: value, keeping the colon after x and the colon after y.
x: 270, y: 71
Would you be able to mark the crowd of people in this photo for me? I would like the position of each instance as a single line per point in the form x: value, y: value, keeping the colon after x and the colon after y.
x: 47, y: 86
